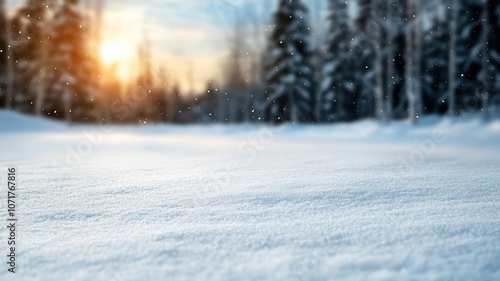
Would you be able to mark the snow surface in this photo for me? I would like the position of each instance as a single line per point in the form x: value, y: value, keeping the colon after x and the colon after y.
x: 344, y: 202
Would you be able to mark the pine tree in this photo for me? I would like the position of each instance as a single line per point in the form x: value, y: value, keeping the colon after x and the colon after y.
x: 391, y: 16
x: 413, y: 56
x: 452, y: 57
x: 28, y: 35
x: 289, y: 72
x: 3, y: 53
x: 72, y: 85
x: 363, y: 53
x: 364, y: 10
x: 493, y: 8
x: 435, y: 65
x: 399, y: 98
x: 390, y: 40
x: 379, y: 42
x: 483, y: 93
x: 468, y: 49
x: 7, y: 61
x: 336, y: 87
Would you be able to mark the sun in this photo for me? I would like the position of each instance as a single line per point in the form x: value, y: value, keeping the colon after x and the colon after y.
x: 115, y: 52
x: 117, y: 56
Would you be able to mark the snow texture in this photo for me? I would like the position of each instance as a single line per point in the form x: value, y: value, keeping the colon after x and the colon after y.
x: 342, y: 202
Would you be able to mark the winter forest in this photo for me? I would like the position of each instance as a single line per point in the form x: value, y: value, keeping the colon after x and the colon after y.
x: 364, y: 59
x: 252, y: 140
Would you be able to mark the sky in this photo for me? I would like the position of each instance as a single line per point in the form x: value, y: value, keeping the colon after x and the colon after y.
x: 189, y: 38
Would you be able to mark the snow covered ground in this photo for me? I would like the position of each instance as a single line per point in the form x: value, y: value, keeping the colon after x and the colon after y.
x: 342, y: 202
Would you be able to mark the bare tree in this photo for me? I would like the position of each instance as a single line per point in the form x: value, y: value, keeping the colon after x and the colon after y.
x: 235, y: 84
x: 97, y: 30
x: 256, y: 44
x: 257, y: 92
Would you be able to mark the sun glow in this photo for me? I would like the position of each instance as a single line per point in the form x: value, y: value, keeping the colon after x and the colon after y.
x: 114, y: 52
x: 117, y: 57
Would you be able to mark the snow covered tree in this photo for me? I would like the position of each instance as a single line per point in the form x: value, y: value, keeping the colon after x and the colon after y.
x: 435, y: 63
x: 363, y: 62
x: 493, y: 50
x: 394, y: 22
x: 289, y: 72
x: 483, y: 92
x: 29, y: 52
x: 452, y: 57
x: 396, y: 102
x: 389, y: 58
x: 364, y: 9
x: 336, y: 87
x: 4, y: 33
x: 468, y: 52
x: 413, y: 60
x: 379, y: 36
x: 7, y: 67
x: 71, y: 92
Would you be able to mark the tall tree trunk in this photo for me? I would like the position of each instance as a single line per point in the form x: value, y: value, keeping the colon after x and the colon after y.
x: 418, y: 60
x: 67, y: 100
x: 10, y: 66
x: 390, y: 64
x: 452, y: 59
x: 173, y: 104
x: 320, y: 57
x: 409, y: 61
x: 293, y: 106
x: 40, y: 91
x: 377, y: 44
x: 99, y: 10
x: 413, y: 60
x: 485, y: 79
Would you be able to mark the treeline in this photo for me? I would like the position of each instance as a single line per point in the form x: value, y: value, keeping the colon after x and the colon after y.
x: 391, y: 59
x: 50, y: 66
x: 395, y: 59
